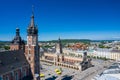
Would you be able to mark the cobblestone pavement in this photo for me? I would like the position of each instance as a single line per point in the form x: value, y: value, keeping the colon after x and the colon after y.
x: 88, y: 74
x: 93, y: 71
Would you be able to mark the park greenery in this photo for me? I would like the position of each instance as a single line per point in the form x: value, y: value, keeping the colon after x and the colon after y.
x: 65, y: 41
x: 5, y: 45
x: 102, y: 46
x: 47, y: 46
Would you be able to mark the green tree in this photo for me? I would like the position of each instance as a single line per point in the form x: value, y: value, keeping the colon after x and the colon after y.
x: 0, y: 46
x: 6, y: 47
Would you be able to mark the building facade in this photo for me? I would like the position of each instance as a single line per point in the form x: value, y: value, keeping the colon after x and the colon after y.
x: 59, y: 59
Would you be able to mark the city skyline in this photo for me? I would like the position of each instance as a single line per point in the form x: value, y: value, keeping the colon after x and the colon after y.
x: 78, y: 19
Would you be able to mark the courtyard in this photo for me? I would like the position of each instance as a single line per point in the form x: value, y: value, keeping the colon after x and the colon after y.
x: 71, y: 74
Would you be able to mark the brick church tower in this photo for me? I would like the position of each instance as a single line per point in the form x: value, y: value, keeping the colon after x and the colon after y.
x: 17, y: 43
x: 32, y: 49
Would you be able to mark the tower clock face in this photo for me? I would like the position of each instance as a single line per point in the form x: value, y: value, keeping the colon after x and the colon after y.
x: 34, y: 40
x: 29, y: 40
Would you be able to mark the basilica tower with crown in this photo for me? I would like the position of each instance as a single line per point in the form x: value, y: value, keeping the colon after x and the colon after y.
x: 32, y: 49
x: 17, y: 43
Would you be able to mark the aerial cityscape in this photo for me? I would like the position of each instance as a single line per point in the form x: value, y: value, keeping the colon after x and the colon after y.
x: 60, y: 40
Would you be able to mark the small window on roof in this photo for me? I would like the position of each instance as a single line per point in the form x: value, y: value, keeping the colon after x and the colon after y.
x: 1, y: 63
x: 29, y: 58
x: 15, y: 58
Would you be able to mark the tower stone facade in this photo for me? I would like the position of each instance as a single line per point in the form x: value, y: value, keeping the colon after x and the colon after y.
x: 59, y: 52
x: 17, y: 43
x: 32, y: 49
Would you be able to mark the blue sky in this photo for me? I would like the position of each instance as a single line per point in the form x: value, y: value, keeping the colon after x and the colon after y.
x: 69, y: 19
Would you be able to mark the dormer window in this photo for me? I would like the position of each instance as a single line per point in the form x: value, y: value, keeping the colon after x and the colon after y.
x: 1, y: 63
x: 7, y: 78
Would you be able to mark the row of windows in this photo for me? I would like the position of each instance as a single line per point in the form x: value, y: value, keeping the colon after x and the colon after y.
x: 16, y: 75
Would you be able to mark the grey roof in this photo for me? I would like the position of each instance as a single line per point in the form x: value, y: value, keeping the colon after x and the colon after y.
x: 10, y: 60
x: 117, y: 51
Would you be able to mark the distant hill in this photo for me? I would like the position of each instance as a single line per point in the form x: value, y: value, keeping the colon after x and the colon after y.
x: 63, y: 41
x: 4, y: 42
x: 101, y: 40
x: 7, y: 42
x: 87, y: 41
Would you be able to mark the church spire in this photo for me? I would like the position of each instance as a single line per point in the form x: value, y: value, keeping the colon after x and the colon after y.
x: 32, y: 18
x: 32, y: 29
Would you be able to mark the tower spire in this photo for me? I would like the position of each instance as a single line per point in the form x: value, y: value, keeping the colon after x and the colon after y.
x: 32, y: 29
x: 32, y: 17
x: 33, y: 10
x: 60, y: 45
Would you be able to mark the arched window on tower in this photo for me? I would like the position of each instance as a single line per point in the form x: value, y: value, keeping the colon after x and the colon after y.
x: 1, y: 78
x: 7, y: 78
x: 16, y: 76
x: 25, y: 72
